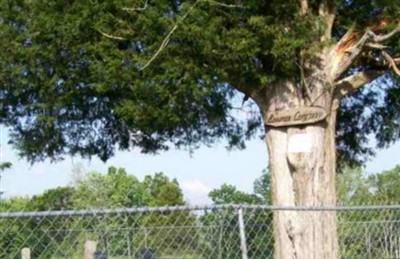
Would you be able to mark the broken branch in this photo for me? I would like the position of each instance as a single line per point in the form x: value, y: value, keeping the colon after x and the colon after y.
x: 350, y: 84
x: 347, y: 52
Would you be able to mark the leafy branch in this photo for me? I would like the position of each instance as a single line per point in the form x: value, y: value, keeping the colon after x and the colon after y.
x: 5, y: 165
x: 165, y: 42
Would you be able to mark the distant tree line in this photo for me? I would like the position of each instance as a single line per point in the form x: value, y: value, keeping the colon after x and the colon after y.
x: 213, y: 233
x: 52, y: 236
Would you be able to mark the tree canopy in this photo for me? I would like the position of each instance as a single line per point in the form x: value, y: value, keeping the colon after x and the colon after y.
x: 87, y: 77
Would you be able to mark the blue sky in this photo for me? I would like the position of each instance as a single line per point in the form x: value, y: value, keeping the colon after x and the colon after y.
x: 198, y: 173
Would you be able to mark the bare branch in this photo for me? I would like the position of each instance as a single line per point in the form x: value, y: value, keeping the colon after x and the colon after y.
x: 110, y: 36
x: 349, y: 84
x: 223, y: 4
x: 381, y: 38
x: 392, y: 62
x: 319, y: 96
x: 328, y: 13
x: 209, y: 1
x: 164, y: 43
x: 308, y: 92
x: 376, y: 46
x: 304, y: 82
x: 140, y: 9
x: 161, y: 48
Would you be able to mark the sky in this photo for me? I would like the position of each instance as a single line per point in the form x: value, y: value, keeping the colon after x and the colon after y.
x: 198, y: 173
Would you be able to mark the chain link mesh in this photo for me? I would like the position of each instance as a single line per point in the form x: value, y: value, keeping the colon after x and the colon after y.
x: 187, y: 232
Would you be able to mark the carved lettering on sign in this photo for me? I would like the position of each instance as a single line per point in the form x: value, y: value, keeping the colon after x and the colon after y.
x: 295, y: 116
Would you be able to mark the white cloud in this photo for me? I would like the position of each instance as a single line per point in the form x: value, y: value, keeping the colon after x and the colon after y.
x: 195, y: 186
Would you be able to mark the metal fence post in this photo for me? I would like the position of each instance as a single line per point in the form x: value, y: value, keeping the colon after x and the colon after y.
x: 243, y: 244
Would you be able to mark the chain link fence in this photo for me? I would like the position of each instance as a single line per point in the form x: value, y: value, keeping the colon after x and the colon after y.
x: 219, y: 231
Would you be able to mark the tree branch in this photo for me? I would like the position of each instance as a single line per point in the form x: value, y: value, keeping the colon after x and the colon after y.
x: 110, y: 36
x: 164, y: 43
x: 140, y: 9
x: 376, y: 46
x: 392, y: 62
x: 303, y: 82
x: 328, y: 13
x: 350, y: 84
x: 161, y: 48
x: 346, y: 52
x: 223, y: 4
x: 381, y: 38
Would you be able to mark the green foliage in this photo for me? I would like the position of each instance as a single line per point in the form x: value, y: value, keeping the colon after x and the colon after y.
x: 164, y: 191
x: 54, y: 199
x: 118, y: 189
x: 355, y: 188
x: 115, y: 189
x: 5, y: 165
x: 14, y: 204
x: 72, y: 81
x: 222, y: 233
x: 358, y: 228
x: 259, y: 236
x: 262, y: 187
x: 355, y: 228
x: 385, y: 185
x: 228, y: 194
x: 371, y: 111
x: 68, y: 89
x: 352, y: 187
x: 52, y: 236
x: 217, y: 238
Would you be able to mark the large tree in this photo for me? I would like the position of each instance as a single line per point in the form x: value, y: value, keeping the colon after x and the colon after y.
x: 85, y: 77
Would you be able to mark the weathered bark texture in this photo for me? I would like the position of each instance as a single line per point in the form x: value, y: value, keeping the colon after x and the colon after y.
x: 303, y: 174
x: 302, y: 158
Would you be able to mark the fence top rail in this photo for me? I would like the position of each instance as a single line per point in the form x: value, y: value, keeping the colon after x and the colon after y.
x: 144, y: 210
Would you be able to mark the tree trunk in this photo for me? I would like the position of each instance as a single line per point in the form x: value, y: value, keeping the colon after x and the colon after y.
x: 302, y: 162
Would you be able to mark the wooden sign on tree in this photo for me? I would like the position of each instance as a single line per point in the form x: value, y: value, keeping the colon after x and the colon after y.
x: 295, y: 116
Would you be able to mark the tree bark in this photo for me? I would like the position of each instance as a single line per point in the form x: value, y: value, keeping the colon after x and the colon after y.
x: 302, y: 161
